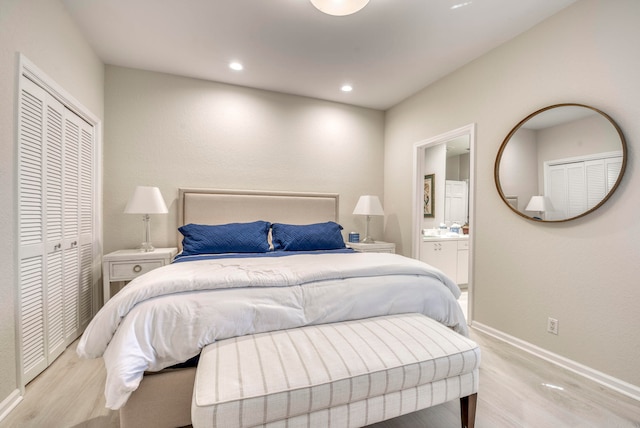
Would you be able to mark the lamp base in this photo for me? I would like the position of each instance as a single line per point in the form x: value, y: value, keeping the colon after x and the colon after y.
x: 146, y: 247
x: 367, y: 238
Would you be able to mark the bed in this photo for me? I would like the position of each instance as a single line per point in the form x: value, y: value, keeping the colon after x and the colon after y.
x: 164, y: 318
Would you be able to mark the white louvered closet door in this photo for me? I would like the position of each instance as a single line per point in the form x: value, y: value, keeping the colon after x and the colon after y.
x: 53, y: 290
x: 78, y: 223
x: 85, y: 218
x: 55, y: 177
x: 31, y: 230
x: 70, y: 226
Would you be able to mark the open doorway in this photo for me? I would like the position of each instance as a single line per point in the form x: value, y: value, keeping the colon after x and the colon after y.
x: 430, y: 206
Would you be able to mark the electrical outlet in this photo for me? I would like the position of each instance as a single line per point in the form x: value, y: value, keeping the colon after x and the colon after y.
x: 552, y: 325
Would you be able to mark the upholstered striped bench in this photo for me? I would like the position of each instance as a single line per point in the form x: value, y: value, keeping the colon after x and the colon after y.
x: 347, y: 374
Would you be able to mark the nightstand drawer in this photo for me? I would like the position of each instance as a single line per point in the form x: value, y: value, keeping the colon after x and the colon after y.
x: 125, y: 265
x: 379, y: 250
x: 376, y: 247
x: 124, y: 271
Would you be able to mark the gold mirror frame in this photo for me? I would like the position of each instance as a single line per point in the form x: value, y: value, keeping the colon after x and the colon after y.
x: 508, y: 199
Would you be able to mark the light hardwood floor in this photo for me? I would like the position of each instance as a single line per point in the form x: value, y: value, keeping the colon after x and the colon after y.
x: 516, y: 390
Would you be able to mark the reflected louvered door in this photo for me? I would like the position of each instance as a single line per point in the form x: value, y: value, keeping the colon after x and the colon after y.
x: 55, y: 243
x: 612, y: 167
x: 556, y: 190
x: 576, y: 189
x: 596, y: 182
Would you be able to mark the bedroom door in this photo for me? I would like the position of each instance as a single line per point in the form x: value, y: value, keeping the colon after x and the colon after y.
x: 55, y: 226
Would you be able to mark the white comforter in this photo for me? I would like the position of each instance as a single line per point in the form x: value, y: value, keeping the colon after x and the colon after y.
x: 169, y: 314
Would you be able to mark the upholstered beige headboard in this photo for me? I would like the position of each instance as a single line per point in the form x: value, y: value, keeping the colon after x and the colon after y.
x: 216, y: 206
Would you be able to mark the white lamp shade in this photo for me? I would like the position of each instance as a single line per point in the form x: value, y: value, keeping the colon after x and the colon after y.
x: 146, y: 200
x: 539, y: 203
x: 368, y: 205
x: 339, y: 7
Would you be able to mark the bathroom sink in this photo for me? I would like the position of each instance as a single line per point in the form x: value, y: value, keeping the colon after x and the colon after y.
x: 447, y: 235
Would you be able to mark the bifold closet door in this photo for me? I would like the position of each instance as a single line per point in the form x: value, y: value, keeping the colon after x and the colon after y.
x: 578, y: 186
x: 77, y: 223
x: 53, y: 182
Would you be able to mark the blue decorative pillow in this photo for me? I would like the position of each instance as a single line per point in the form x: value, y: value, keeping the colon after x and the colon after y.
x: 225, y: 238
x: 310, y: 237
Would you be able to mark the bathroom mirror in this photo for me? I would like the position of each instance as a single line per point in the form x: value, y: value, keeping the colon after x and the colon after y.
x: 456, y: 189
x: 560, y: 163
x: 446, y: 166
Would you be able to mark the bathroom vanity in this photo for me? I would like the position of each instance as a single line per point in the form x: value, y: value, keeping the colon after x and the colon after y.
x: 449, y: 253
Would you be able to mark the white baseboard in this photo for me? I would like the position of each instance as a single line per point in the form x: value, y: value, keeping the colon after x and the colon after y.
x: 9, y: 403
x: 610, y: 382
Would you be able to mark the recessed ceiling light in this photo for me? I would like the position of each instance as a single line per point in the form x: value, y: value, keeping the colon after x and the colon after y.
x: 236, y: 66
x: 346, y: 88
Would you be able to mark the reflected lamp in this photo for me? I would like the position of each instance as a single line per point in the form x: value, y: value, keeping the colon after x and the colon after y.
x: 541, y: 204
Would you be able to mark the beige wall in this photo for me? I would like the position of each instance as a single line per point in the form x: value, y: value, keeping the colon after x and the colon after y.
x: 172, y: 132
x: 519, y: 172
x: 45, y: 34
x: 584, y: 272
x: 582, y: 137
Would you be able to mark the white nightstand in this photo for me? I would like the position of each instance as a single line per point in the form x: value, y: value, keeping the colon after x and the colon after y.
x: 125, y: 265
x: 376, y: 247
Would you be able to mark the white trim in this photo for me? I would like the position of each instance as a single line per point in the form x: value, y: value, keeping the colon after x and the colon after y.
x: 603, y: 379
x: 584, y: 158
x: 29, y: 70
x: 9, y: 403
x: 418, y: 177
x: 37, y: 76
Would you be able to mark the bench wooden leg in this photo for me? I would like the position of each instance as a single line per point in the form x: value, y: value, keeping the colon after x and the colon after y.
x: 468, y: 410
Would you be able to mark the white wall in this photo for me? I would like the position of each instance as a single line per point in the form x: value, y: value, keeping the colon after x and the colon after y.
x: 583, y: 272
x: 582, y: 137
x: 43, y: 31
x: 172, y: 132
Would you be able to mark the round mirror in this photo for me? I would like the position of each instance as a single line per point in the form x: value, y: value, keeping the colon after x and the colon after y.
x: 560, y: 163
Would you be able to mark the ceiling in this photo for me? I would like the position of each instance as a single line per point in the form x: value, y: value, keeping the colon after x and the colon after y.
x: 388, y: 51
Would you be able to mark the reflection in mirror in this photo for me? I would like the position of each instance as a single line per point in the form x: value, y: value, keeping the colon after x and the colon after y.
x: 560, y: 163
x: 456, y: 193
x: 449, y: 163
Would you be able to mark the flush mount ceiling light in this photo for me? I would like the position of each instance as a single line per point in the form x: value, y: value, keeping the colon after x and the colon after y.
x: 339, y: 7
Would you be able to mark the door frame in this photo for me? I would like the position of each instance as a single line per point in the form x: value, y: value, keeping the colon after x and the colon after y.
x: 418, y: 190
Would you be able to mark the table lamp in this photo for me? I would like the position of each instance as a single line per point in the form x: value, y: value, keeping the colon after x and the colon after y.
x: 368, y: 205
x: 146, y: 200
